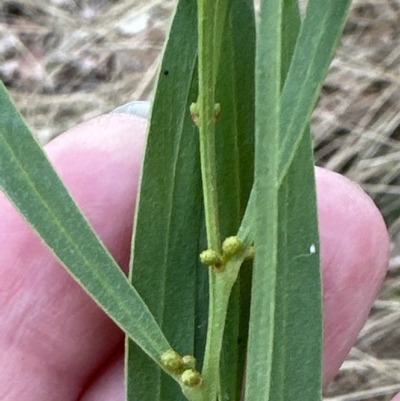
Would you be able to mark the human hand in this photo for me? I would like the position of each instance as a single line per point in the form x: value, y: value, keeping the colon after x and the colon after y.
x: 55, y: 342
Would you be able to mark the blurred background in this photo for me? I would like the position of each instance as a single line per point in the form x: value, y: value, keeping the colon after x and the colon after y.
x: 66, y: 61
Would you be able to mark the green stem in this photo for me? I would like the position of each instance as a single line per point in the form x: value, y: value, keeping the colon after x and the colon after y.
x: 206, y: 110
x: 219, y: 298
x: 222, y: 283
x: 211, y: 22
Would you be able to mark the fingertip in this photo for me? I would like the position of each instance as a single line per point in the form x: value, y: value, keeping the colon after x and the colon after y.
x: 354, y: 257
x: 106, y: 132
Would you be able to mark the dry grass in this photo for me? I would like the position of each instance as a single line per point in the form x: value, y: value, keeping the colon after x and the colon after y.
x: 68, y: 60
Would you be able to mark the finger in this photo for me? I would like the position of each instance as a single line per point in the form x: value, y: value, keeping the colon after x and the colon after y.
x: 53, y: 336
x: 108, y: 384
x: 354, y: 256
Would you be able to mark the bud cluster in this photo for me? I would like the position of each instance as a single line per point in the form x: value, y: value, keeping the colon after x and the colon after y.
x: 184, y: 366
x: 230, y: 247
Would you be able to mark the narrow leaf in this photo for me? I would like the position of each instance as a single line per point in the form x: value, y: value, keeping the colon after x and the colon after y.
x: 165, y: 253
x: 293, y: 314
x: 297, y: 354
x: 30, y: 182
x: 319, y: 35
x: 235, y: 165
x: 259, y: 374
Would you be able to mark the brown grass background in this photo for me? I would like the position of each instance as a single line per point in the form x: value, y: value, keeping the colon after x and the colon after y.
x: 65, y: 61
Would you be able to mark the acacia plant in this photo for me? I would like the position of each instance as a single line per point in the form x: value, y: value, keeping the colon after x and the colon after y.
x: 223, y: 298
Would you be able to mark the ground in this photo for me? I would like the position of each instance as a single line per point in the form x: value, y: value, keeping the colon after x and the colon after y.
x: 65, y: 61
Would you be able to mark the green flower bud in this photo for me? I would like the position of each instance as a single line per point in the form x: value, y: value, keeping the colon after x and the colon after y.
x: 194, y: 112
x: 189, y: 362
x: 231, y: 246
x: 191, y: 378
x: 210, y: 257
x: 194, y: 108
x: 171, y: 360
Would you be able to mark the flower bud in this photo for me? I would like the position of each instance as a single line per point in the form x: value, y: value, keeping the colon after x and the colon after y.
x: 231, y: 246
x: 191, y: 378
x: 194, y: 112
x: 210, y: 257
x: 189, y: 362
x: 171, y: 360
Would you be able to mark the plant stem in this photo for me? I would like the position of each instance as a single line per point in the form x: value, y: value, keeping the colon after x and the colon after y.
x: 206, y: 109
x: 211, y: 22
x: 219, y: 297
x: 220, y: 290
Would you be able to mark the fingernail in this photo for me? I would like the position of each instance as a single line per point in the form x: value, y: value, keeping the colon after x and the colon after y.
x: 140, y: 108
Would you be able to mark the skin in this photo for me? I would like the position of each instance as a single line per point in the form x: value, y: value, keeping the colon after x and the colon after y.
x: 56, y: 344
